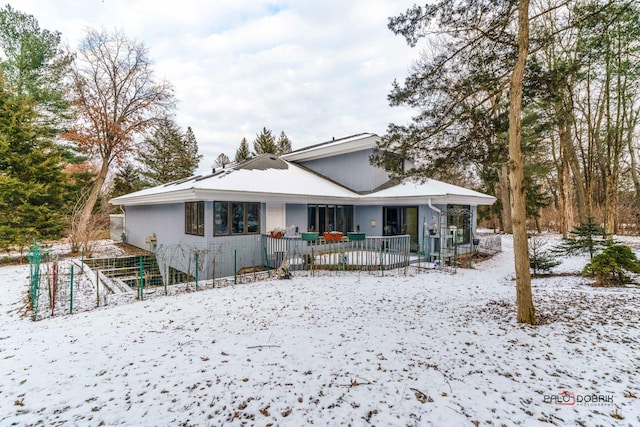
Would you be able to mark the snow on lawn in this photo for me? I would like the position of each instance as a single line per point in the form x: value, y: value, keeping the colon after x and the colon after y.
x: 428, y: 348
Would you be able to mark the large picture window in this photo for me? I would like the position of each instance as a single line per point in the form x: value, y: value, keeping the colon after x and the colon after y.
x: 323, y: 218
x: 236, y: 218
x: 194, y: 218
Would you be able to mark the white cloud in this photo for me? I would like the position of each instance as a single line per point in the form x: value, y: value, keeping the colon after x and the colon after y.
x: 314, y: 69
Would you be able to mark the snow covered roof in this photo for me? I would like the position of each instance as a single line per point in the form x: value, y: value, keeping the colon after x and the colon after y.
x: 264, y: 177
x: 334, y: 147
x: 268, y: 177
x: 431, y: 190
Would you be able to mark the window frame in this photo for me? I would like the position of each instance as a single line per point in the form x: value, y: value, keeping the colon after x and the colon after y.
x: 194, y: 212
x: 467, y: 227
x: 245, y: 218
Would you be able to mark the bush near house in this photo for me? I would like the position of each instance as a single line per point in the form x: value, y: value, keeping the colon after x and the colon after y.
x: 612, y: 266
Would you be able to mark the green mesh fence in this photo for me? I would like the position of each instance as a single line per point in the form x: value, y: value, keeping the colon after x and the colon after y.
x: 34, y: 257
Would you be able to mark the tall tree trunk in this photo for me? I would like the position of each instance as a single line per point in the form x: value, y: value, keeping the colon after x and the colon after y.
x: 635, y: 175
x: 524, y: 299
x: 505, y: 212
x: 82, y: 230
x: 566, y: 185
x: 579, y: 181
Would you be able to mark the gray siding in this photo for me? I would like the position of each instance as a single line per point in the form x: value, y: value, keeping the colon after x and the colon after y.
x: 352, y: 170
x: 217, y: 255
x: 363, y: 216
x: 297, y: 215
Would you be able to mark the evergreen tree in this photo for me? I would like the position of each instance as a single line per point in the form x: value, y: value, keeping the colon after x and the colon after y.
x: 243, y: 153
x: 222, y: 160
x: 33, y: 63
x: 32, y: 197
x: 284, y: 144
x: 483, y: 51
x: 191, y: 159
x: 34, y: 191
x: 168, y: 154
x: 613, y: 266
x: 264, y: 143
x: 587, y: 237
x: 540, y: 259
x: 127, y: 180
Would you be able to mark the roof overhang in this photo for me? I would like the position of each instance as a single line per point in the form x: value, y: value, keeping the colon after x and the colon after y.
x: 334, y: 148
x: 440, y: 199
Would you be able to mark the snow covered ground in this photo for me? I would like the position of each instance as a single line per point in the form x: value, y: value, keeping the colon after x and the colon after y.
x: 428, y: 348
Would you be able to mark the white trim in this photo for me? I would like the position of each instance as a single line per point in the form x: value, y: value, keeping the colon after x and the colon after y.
x: 342, y: 146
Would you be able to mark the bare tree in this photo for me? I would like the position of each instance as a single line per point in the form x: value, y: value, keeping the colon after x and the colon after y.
x: 115, y: 98
x: 222, y: 160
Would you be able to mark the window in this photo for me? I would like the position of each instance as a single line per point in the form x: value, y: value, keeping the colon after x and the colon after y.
x: 221, y: 218
x: 323, y: 218
x: 236, y: 218
x: 459, y: 223
x: 194, y: 218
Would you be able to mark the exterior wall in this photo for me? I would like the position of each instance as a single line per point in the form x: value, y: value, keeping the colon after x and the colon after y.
x: 222, y: 256
x: 363, y: 215
x: 297, y: 215
x: 352, y: 170
x: 174, y: 248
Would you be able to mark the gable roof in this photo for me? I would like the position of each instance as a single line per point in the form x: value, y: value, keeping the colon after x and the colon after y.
x: 335, y: 147
x: 270, y: 178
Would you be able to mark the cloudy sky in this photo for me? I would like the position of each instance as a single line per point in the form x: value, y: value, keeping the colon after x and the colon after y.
x: 315, y: 69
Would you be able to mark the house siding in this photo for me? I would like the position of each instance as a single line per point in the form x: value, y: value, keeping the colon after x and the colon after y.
x: 352, y: 170
x: 297, y: 216
x: 364, y: 215
x: 174, y: 248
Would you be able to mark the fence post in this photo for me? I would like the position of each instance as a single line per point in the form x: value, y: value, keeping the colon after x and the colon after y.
x: 196, y: 271
x: 381, y: 260
x: 71, y: 292
x: 97, y: 288
x: 141, y: 287
x: 34, y: 277
x: 235, y: 266
x: 54, y: 285
x: 266, y: 262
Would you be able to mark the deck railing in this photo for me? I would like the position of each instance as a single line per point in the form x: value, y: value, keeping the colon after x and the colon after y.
x: 371, y: 253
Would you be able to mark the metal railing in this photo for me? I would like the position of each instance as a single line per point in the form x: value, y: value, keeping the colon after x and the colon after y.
x: 370, y: 253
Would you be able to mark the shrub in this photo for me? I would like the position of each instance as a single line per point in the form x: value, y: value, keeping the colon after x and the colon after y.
x: 611, y: 267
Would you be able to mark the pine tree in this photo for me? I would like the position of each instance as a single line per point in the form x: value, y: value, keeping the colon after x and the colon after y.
x: 34, y: 191
x: 540, y: 259
x: 191, y: 159
x: 243, y: 153
x: 588, y: 237
x: 126, y: 181
x: 34, y: 63
x: 284, y: 144
x: 264, y: 143
x: 168, y: 154
x: 32, y: 185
